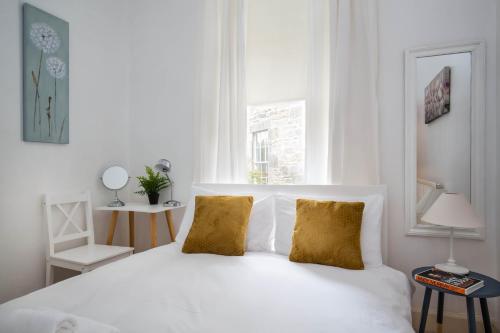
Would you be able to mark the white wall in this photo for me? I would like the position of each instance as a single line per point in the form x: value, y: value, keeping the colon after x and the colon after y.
x: 444, y: 145
x: 411, y: 23
x: 498, y: 135
x: 165, y: 38
x: 99, y: 122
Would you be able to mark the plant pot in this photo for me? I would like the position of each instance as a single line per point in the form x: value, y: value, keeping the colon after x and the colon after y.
x: 153, y: 198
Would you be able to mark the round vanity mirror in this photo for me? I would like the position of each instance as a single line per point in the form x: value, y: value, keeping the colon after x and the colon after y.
x: 115, y: 178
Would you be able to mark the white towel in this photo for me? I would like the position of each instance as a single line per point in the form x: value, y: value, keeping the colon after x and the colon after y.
x: 43, y: 320
x: 86, y: 325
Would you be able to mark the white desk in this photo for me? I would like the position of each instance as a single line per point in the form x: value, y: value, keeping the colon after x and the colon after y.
x: 135, y: 207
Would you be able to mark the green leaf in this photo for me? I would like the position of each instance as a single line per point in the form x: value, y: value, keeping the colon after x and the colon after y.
x: 153, y: 182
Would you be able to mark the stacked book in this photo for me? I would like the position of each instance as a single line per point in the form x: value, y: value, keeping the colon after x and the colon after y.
x: 460, y: 284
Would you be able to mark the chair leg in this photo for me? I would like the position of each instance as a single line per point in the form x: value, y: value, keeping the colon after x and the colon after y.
x: 49, y: 274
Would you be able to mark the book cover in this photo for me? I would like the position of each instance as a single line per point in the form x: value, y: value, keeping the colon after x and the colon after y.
x: 457, y: 283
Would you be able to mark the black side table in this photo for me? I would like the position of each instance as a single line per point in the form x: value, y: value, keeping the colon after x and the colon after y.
x: 491, y: 289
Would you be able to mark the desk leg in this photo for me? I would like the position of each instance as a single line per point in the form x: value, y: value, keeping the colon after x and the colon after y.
x: 471, y: 316
x: 131, y: 229
x: 425, y: 309
x: 486, y: 315
x: 112, y: 227
x: 154, y: 235
x: 440, y: 307
x: 170, y: 220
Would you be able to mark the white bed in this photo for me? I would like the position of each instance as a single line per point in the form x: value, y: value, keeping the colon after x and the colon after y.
x: 165, y: 290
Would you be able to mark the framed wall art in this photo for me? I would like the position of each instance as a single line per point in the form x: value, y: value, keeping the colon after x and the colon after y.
x: 45, y: 77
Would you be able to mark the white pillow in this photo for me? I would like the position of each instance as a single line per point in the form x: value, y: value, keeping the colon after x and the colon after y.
x: 260, y: 227
x: 260, y: 235
x: 371, y: 226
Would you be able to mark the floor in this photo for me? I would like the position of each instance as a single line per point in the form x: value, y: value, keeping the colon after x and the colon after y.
x: 450, y: 325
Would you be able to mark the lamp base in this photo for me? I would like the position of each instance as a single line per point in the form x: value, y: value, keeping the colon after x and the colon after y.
x: 172, y: 203
x: 452, y: 268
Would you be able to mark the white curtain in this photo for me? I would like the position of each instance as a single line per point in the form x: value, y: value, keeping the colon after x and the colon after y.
x: 220, y: 118
x: 342, y: 106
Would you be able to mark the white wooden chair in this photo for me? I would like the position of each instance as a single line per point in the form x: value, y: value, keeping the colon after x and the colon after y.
x: 81, y: 258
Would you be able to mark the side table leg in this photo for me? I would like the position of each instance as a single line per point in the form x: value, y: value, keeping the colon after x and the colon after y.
x: 471, y: 316
x: 131, y: 229
x: 170, y: 220
x: 112, y: 227
x: 154, y: 235
x: 425, y: 309
x: 440, y: 307
x: 486, y: 315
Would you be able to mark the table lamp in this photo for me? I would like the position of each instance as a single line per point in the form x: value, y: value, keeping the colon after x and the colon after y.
x: 452, y: 210
x: 165, y: 166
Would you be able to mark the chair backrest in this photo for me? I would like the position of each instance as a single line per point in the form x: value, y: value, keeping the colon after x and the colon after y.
x: 68, y: 205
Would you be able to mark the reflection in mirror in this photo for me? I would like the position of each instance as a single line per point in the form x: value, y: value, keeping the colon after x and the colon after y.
x: 115, y: 178
x: 443, y: 92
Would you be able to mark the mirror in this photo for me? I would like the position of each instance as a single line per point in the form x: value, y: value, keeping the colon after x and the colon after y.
x: 444, y: 102
x: 115, y: 178
x: 443, y: 135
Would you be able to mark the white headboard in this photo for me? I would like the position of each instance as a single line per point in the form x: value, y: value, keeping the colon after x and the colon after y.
x: 334, y: 190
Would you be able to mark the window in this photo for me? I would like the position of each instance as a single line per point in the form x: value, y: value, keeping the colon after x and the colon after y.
x: 276, y: 79
x: 260, y: 160
x: 276, y: 135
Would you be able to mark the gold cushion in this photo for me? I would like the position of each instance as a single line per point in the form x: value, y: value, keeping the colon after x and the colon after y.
x: 328, y: 233
x: 219, y: 226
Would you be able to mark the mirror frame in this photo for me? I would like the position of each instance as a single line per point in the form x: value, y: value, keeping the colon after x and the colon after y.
x: 478, y: 98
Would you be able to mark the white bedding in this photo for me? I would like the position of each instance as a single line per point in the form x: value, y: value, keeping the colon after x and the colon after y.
x: 164, y: 290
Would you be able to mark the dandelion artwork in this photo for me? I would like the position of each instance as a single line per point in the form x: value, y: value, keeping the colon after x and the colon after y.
x: 45, y: 77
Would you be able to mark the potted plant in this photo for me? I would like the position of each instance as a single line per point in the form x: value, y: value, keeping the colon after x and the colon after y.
x: 152, y: 184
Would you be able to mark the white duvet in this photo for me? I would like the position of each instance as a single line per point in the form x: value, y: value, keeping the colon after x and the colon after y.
x: 164, y: 290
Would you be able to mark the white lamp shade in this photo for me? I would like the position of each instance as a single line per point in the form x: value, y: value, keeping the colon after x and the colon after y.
x: 452, y: 210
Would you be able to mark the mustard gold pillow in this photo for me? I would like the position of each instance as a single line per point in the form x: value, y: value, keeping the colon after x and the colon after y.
x: 328, y: 233
x: 219, y: 226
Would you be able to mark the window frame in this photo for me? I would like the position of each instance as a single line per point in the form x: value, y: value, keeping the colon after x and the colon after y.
x: 262, y: 162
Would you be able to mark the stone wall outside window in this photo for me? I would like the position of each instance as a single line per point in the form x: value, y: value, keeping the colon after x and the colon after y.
x: 285, y: 122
